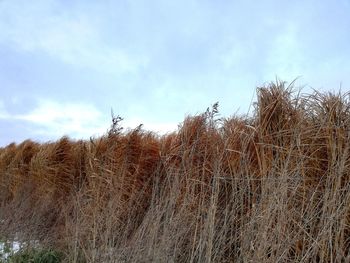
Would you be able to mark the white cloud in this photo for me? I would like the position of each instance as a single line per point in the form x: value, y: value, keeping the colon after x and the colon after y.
x: 53, y: 119
x: 71, y: 38
x: 158, y: 127
x: 77, y: 120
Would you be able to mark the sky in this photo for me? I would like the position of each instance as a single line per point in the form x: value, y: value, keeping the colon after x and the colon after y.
x: 65, y: 64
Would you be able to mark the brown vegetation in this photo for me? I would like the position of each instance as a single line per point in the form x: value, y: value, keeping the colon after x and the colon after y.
x: 273, y: 187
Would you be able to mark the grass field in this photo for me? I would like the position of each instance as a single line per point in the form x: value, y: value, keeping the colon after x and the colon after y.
x: 271, y: 187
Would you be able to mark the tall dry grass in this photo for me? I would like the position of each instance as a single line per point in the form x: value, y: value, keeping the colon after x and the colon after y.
x: 272, y: 187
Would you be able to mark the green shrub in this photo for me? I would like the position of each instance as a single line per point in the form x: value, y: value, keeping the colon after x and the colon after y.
x: 36, y: 256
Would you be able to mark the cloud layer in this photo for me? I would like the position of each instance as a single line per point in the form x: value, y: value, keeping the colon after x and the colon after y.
x: 154, y: 62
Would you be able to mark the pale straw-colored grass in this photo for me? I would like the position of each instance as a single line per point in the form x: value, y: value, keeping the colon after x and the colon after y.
x: 272, y: 187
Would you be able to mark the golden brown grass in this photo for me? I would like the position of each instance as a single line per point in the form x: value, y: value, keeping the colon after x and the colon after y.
x: 273, y: 187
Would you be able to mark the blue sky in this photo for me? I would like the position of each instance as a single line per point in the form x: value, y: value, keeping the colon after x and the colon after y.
x: 65, y: 64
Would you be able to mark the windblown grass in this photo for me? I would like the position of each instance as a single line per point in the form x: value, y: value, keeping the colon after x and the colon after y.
x: 273, y: 187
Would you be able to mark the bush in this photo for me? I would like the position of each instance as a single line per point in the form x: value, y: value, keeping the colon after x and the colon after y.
x: 36, y: 256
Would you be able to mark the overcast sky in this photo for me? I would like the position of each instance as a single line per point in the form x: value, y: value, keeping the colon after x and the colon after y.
x: 65, y: 64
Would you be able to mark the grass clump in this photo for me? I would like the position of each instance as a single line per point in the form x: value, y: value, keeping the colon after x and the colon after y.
x: 271, y: 187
